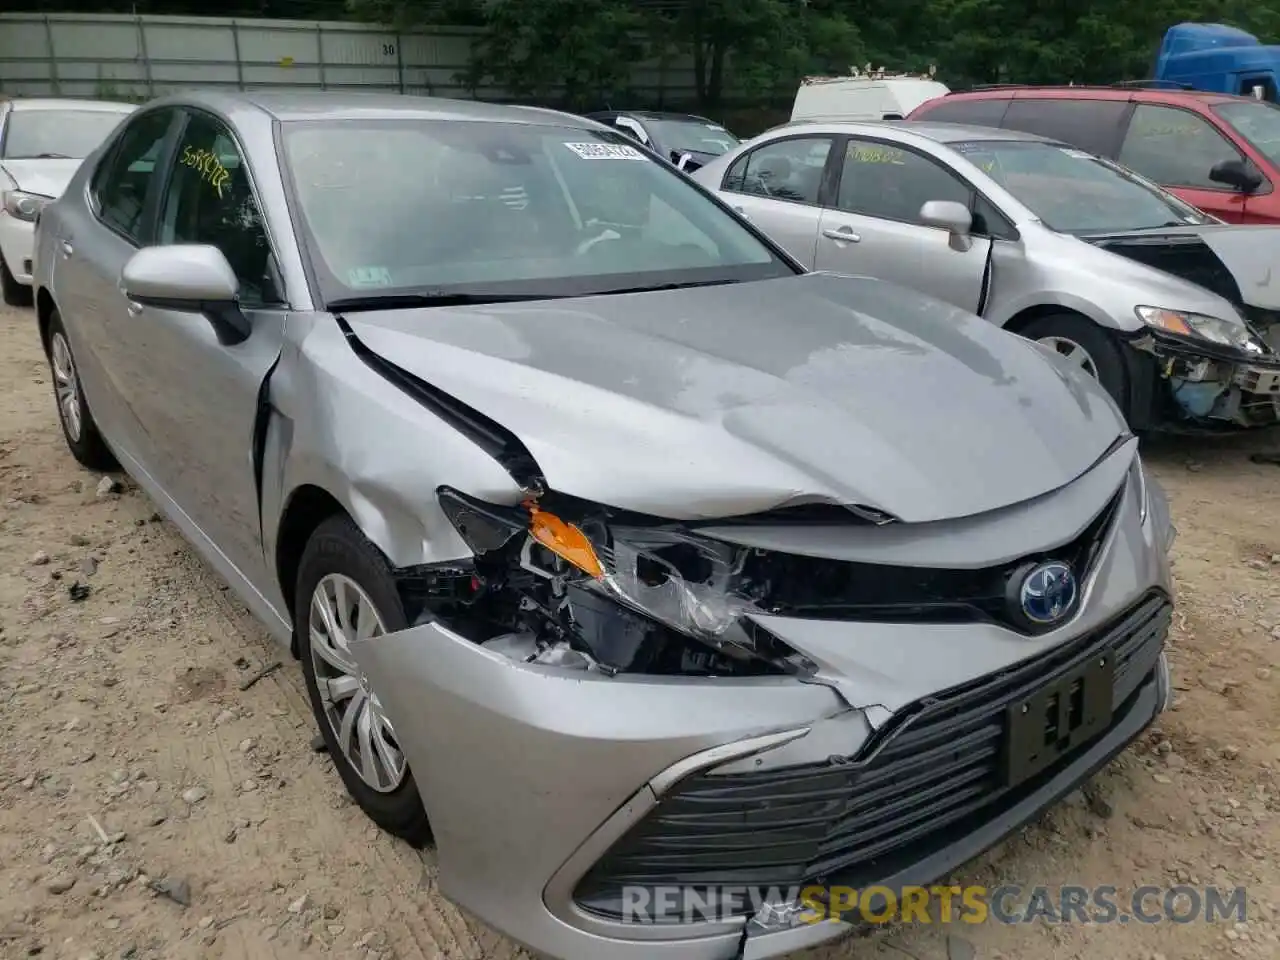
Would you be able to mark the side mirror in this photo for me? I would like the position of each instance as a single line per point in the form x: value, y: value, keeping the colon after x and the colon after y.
x: 190, y: 278
x: 951, y: 216
x: 1237, y: 174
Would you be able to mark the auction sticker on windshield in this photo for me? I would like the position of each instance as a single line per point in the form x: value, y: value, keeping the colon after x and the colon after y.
x: 605, y: 151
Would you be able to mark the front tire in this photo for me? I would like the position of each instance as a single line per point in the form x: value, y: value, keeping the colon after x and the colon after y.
x: 78, y: 426
x: 1093, y: 349
x: 346, y: 592
x: 14, y: 293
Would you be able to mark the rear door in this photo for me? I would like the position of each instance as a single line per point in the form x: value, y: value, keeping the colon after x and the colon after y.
x: 1177, y: 148
x: 778, y: 186
x: 92, y: 245
x: 873, y: 226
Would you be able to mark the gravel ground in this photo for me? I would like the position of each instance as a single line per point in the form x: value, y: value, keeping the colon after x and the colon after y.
x: 152, y: 807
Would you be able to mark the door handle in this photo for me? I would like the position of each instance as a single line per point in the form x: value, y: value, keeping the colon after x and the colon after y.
x: 67, y: 248
x: 844, y: 234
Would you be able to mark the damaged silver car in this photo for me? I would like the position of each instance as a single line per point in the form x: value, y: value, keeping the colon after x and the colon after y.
x: 648, y: 576
x: 1175, y: 312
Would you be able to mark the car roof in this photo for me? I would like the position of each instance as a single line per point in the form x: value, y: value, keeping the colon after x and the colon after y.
x: 329, y: 105
x: 1136, y: 94
x: 67, y: 103
x: 650, y: 115
x: 937, y: 131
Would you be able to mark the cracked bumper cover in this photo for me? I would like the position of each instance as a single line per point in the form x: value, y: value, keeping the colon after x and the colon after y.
x: 531, y: 775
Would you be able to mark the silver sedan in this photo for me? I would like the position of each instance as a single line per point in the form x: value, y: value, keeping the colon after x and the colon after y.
x: 1176, y: 313
x: 650, y: 576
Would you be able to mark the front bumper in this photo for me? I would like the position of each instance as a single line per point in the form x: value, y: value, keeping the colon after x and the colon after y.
x: 1202, y: 384
x: 17, y: 243
x: 531, y: 775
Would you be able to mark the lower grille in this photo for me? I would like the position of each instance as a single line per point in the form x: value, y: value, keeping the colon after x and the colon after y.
x: 935, y: 764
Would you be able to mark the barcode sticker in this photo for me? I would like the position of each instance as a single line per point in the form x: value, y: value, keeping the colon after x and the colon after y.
x: 605, y: 151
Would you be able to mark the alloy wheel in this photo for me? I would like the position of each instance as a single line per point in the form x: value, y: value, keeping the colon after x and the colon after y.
x: 341, y: 613
x: 1073, y: 353
x: 66, y: 386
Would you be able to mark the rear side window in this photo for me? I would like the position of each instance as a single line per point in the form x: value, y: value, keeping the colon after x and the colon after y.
x: 120, y: 184
x: 1174, y: 147
x: 788, y: 169
x: 1091, y: 125
x: 980, y: 113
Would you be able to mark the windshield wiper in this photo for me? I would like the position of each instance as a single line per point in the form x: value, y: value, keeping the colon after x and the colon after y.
x: 405, y: 301
x: 53, y: 156
x: 674, y: 285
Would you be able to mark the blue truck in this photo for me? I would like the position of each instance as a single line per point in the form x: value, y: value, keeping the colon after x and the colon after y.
x: 1218, y: 59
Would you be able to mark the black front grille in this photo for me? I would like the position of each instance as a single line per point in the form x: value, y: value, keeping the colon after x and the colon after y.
x: 819, y: 588
x: 934, y: 765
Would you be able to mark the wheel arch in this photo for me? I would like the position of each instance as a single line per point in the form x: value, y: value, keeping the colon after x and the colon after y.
x: 308, y: 506
x: 45, y: 308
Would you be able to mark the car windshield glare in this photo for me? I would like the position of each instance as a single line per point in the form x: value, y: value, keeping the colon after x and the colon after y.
x: 1257, y: 122
x: 1072, y: 191
x: 57, y: 134
x: 439, y: 207
x: 693, y: 136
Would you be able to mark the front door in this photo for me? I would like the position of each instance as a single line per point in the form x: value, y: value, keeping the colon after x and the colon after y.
x: 197, y: 398
x: 1177, y: 148
x: 777, y: 187
x: 873, y: 228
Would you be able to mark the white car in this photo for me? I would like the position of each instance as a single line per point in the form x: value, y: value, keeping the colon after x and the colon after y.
x: 42, y: 142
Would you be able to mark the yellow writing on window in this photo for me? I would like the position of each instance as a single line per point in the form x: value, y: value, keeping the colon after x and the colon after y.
x: 869, y: 153
x: 207, y: 164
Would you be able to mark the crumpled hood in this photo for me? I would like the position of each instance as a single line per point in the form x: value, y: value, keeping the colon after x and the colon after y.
x: 47, y: 177
x: 1250, y: 254
x: 727, y: 400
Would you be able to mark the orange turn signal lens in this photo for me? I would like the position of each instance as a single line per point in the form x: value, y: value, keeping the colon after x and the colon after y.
x: 564, y: 540
x: 1174, y: 321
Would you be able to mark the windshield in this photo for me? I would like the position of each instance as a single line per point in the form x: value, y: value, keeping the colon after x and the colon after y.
x: 1075, y: 192
x: 435, y: 207
x: 61, y: 134
x: 1257, y: 122
x: 692, y: 136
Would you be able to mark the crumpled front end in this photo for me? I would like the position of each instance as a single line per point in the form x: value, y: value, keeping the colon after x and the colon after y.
x: 643, y: 739
x: 1226, y: 374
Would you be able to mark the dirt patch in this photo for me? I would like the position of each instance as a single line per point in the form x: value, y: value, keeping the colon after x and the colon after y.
x: 150, y: 808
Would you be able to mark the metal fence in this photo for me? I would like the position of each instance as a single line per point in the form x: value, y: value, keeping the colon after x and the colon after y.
x: 138, y: 57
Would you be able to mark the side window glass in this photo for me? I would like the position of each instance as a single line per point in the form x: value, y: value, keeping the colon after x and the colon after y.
x: 782, y: 170
x: 119, y: 185
x: 882, y: 180
x: 1091, y: 125
x: 987, y: 112
x: 1174, y: 147
x: 209, y: 201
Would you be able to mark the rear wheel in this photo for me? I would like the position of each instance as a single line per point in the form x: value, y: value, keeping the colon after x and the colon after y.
x: 345, y: 593
x: 78, y: 427
x: 1087, y: 346
x: 14, y: 293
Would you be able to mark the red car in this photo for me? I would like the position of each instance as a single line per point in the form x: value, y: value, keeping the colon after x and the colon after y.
x: 1218, y: 152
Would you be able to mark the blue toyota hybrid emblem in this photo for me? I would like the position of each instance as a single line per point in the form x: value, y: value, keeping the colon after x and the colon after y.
x: 1048, y: 593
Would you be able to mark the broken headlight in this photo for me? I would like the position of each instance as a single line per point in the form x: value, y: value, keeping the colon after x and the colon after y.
x: 686, y: 582
x: 1227, y: 333
x: 617, y: 586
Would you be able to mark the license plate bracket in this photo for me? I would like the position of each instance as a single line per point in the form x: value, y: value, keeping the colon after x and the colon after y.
x: 1057, y: 718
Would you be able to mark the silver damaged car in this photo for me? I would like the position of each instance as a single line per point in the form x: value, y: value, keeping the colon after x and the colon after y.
x: 1176, y: 313
x: 624, y: 558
